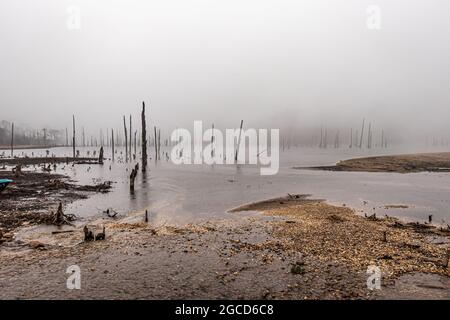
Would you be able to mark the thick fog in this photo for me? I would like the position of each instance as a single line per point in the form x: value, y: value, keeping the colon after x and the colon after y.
x: 273, y: 63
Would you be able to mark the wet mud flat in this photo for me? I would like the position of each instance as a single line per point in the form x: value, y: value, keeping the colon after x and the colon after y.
x: 34, y: 195
x: 423, y: 162
x: 33, y: 161
x: 299, y: 249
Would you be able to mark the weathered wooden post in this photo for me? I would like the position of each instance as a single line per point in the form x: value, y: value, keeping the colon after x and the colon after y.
x: 144, y: 139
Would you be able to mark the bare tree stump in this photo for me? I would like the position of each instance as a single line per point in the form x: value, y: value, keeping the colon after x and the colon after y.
x: 100, y: 157
x: 133, y: 176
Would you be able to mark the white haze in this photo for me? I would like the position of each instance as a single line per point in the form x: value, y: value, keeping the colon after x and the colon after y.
x: 274, y: 63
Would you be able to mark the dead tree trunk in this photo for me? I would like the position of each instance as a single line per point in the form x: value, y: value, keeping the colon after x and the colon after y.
x: 159, y: 144
x: 126, y: 139
x: 144, y: 139
x: 135, y: 134
x: 212, y: 141
x: 73, y: 137
x: 156, y: 145
x: 12, y: 140
x: 130, y: 144
x: 239, y: 142
x: 112, y: 143
x: 351, y: 137
x: 362, y: 134
x: 133, y: 176
x: 83, y: 137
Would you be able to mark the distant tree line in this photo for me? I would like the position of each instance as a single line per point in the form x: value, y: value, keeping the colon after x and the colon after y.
x: 30, y: 136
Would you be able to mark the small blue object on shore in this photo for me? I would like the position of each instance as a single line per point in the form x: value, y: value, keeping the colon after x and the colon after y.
x: 4, y: 183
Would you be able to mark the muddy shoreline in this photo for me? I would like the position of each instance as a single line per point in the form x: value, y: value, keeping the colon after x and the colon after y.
x: 300, y: 248
x: 27, y: 161
x: 36, y: 192
x: 408, y: 163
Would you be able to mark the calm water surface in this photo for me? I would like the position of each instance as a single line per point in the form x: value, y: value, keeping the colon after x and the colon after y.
x: 191, y: 193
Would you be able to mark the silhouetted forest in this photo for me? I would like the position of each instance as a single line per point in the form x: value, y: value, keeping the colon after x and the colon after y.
x: 30, y: 136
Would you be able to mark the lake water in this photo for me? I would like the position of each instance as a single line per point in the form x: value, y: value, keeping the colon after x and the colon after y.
x: 179, y: 194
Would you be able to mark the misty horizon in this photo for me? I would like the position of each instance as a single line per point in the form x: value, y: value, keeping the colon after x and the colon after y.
x: 288, y: 65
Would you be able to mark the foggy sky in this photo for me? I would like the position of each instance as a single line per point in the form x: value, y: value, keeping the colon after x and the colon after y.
x: 272, y: 63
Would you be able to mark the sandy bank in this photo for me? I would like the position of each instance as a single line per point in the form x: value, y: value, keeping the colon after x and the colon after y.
x: 432, y: 162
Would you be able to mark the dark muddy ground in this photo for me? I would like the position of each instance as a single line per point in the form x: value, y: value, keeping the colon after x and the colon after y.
x: 26, y: 161
x: 288, y: 254
x: 33, y: 196
x: 224, y: 261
